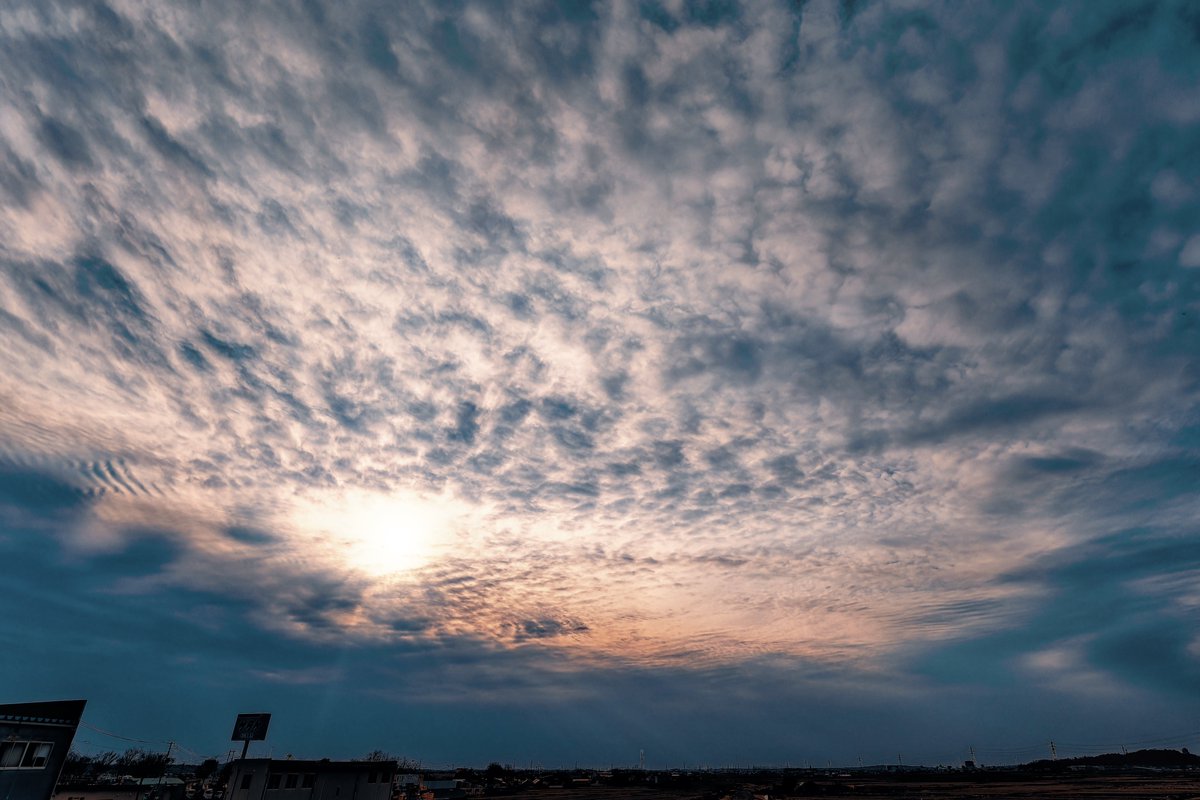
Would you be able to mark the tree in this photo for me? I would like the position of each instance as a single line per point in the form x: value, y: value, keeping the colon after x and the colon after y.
x: 495, y: 773
x: 76, y: 766
x: 104, y: 762
x: 153, y: 765
x: 142, y: 764
x: 206, y: 768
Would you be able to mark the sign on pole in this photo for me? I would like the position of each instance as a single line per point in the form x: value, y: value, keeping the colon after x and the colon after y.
x: 250, y: 728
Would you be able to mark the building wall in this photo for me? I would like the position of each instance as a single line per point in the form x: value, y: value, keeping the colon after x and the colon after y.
x: 246, y: 782
x: 264, y: 779
x: 347, y: 786
x: 34, y: 741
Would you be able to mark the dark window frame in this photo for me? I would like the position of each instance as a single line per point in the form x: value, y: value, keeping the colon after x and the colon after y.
x: 34, y: 754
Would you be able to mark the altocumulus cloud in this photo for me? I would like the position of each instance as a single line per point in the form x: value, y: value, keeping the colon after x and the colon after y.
x: 553, y: 353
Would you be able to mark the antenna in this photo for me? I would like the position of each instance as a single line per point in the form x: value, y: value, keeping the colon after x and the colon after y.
x: 642, y: 760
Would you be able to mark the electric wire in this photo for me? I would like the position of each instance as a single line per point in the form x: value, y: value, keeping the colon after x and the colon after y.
x: 91, y: 727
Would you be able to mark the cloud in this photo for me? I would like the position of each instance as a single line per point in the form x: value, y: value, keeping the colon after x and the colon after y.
x: 612, y: 341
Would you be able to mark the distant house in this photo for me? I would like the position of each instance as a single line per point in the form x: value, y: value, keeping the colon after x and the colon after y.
x: 34, y: 741
x: 447, y: 790
x: 275, y: 779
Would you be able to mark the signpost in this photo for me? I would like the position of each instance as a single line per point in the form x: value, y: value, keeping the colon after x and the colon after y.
x: 250, y: 728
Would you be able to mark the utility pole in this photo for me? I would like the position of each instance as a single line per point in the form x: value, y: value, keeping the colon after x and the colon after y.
x: 166, y: 762
x: 1053, y: 751
x: 141, y: 781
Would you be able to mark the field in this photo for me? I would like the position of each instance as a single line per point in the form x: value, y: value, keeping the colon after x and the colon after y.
x: 1171, y: 786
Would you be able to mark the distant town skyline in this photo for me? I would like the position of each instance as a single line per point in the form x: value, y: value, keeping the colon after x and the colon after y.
x: 744, y: 383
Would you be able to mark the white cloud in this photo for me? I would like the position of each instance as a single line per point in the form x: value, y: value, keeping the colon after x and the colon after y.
x: 760, y: 317
x: 1189, y: 256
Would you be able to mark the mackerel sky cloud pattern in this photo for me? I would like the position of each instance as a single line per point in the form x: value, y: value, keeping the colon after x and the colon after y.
x: 568, y: 379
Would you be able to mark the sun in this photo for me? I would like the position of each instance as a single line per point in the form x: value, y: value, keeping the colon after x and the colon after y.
x: 381, y: 533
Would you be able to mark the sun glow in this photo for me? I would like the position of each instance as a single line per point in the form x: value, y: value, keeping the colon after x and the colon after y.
x: 383, y: 533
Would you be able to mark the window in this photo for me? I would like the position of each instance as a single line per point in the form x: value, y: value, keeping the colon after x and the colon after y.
x: 24, y: 755
x: 309, y: 780
x: 273, y: 781
x: 292, y: 780
x: 246, y: 781
x: 36, y: 755
x: 10, y: 754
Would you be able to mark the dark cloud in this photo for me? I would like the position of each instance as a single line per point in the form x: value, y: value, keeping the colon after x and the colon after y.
x: 33, y: 491
x: 1129, y: 622
x: 169, y: 148
x: 466, y: 424
x: 234, y: 351
x: 251, y: 536
x: 546, y: 628
x: 18, y: 178
x: 1001, y: 413
x: 65, y: 142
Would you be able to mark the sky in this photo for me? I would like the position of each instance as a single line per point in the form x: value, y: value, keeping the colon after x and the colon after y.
x: 547, y: 382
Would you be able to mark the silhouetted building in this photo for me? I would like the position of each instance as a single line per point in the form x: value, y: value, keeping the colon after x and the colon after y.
x: 268, y: 779
x: 34, y: 741
x: 448, y: 789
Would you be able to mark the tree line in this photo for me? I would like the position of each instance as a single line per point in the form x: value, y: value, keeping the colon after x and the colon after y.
x: 134, y: 762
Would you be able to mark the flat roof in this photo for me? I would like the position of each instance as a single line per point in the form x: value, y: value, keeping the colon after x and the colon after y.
x: 51, y: 712
x: 320, y: 765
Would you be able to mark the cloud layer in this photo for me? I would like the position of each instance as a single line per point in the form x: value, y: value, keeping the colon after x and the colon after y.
x: 595, y: 343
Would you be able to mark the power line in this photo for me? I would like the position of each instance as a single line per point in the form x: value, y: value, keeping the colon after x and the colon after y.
x: 1020, y: 750
x: 119, y: 736
x: 1158, y: 740
x: 188, y: 750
